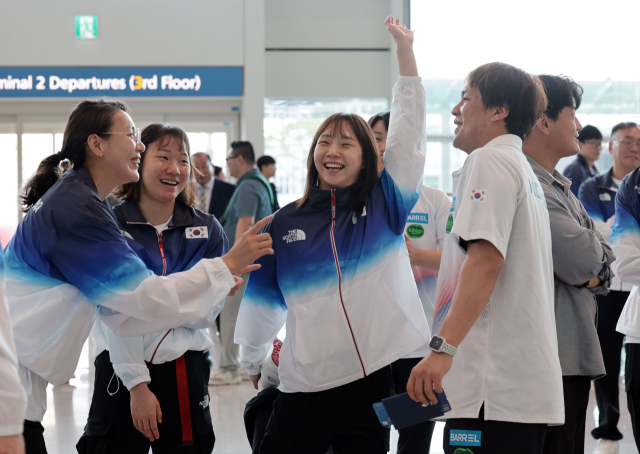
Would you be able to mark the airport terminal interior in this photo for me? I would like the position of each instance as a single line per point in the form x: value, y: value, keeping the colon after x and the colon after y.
x: 269, y: 72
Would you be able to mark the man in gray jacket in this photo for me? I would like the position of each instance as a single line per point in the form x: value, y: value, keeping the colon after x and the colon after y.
x: 581, y: 260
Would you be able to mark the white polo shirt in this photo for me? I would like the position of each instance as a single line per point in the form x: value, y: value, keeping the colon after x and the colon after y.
x: 426, y: 226
x: 509, y: 359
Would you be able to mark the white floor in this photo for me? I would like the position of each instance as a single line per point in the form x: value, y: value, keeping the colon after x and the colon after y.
x: 69, y: 406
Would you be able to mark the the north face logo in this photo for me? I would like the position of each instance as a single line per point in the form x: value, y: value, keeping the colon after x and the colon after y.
x: 294, y: 235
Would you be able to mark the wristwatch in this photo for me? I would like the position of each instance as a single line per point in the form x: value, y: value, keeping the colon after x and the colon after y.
x: 439, y: 345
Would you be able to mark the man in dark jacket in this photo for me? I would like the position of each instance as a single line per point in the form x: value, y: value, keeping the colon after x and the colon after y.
x: 212, y: 194
x: 590, y: 144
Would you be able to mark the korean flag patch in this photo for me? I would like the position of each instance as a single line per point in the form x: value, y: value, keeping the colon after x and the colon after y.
x: 478, y: 195
x: 196, y: 232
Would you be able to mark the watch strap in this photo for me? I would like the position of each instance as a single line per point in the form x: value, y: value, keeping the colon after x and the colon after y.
x: 449, y: 349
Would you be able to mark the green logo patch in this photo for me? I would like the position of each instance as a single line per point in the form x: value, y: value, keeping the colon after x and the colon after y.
x: 449, y: 224
x: 415, y: 231
x: 463, y: 451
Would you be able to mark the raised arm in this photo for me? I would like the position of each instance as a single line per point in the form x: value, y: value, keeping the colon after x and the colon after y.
x: 404, y: 157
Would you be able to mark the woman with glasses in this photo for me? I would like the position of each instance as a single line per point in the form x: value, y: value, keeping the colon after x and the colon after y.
x: 68, y: 262
x: 152, y: 390
x: 341, y: 279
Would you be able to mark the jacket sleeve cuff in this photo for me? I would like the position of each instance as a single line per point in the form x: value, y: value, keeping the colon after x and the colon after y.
x: 224, y: 271
x: 253, y: 369
x: 137, y: 380
x: 8, y: 431
x: 409, y: 80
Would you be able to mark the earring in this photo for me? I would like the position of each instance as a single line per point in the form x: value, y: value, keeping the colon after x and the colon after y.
x: 101, y: 155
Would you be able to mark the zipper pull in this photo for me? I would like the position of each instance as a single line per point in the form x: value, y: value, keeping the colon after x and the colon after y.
x: 333, y: 204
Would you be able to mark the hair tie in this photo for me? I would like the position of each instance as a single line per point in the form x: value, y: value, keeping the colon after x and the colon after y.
x: 63, y: 166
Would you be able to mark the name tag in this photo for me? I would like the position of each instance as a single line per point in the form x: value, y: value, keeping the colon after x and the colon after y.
x: 420, y: 218
x: 196, y: 232
x: 465, y: 437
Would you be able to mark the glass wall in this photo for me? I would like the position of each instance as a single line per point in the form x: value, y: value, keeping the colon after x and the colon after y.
x: 8, y: 187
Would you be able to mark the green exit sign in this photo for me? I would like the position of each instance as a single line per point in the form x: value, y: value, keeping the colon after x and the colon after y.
x: 86, y: 27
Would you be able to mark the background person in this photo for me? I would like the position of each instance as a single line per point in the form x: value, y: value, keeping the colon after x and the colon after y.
x: 583, y: 167
x: 12, y: 398
x: 219, y: 173
x: 163, y: 402
x: 267, y: 167
x: 212, y: 193
x: 424, y: 236
x: 251, y: 202
x: 68, y: 262
x: 625, y: 242
x: 581, y: 261
x: 341, y: 278
x: 495, y: 287
x: 598, y: 195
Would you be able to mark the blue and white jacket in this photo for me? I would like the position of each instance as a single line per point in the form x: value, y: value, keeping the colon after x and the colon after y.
x: 344, y: 285
x: 68, y: 263
x: 625, y: 242
x: 190, y: 236
x: 598, y: 196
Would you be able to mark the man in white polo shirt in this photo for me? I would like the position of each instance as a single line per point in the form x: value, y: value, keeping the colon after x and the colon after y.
x: 495, y: 305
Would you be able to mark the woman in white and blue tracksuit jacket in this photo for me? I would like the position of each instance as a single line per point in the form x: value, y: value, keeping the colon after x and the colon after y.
x: 68, y: 263
x: 341, y: 279
x: 166, y: 369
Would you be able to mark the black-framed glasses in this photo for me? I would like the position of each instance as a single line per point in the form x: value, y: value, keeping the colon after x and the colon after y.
x: 231, y: 157
x: 136, y: 135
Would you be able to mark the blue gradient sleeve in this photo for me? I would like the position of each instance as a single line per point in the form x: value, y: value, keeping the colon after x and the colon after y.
x: 589, y: 196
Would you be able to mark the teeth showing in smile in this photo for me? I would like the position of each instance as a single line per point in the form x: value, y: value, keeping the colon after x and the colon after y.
x: 172, y: 183
x: 136, y: 161
x: 334, y: 166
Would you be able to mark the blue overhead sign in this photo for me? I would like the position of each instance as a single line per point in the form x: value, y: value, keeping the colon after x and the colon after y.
x: 85, y: 82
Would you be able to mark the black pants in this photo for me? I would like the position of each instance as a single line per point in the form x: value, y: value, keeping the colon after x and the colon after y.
x: 181, y: 387
x: 415, y: 439
x: 342, y: 417
x: 477, y: 436
x: 607, y: 388
x: 632, y: 387
x: 569, y: 437
x: 34, y: 438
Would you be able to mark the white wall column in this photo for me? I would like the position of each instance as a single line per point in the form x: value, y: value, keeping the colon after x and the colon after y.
x: 251, y: 123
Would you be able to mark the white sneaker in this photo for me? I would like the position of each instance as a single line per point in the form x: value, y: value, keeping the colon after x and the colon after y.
x: 605, y: 446
x: 224, y: 377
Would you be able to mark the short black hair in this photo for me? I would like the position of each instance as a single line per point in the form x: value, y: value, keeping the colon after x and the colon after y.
x: 562, y: 91
x: 382, y: 116
x: 588, y: 133
x: 244, y: 149
x: 265, y: 161
x: 216, y: 171
x: 202, y: 153
x: 624, y: 125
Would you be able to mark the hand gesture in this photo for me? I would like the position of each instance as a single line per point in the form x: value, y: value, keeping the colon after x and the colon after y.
x: 145, y: 411
x: 401, y: 34
x: 249, y: 248
x: 427, y: 375
x: 404, y: 43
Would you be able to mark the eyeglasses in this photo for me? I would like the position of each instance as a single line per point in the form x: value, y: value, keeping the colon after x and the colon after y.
x: 231, y: 157
x: 629, y: 142
x: 136, y: 135
x: 594, y: 143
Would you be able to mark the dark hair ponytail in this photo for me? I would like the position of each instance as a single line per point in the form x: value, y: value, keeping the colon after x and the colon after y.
x: 89, y: 117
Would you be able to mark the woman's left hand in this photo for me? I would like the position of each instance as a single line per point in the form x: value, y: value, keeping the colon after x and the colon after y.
x: 400, y: 33
x: 239, y: 282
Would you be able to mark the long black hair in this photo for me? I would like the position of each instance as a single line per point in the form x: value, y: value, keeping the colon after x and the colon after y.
x: 89, y: 117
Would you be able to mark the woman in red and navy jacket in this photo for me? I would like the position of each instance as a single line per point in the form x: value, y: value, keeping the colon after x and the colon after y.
x: 152, y: 390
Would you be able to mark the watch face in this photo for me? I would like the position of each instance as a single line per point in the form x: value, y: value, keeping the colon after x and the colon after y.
x: 436, y: 343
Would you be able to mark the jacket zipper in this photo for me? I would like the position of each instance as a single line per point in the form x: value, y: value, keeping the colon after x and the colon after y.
x: 335, y: 256
x: 164, y: 272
